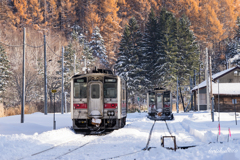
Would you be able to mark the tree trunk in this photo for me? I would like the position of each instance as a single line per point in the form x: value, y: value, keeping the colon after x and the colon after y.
x: 182, y: 98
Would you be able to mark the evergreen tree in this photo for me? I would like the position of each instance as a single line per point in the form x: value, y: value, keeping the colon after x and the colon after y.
x: 166, y: 49
x: 87, y: 53
x: 186, y: 58
x: 69, y: 58
x: 150, y: 46
x: 122, y: 64
x: 187, y: 51
x: 5, y: 73
x: 127, y: 64
x: 72, y: 59
x: 233, y: 47
x: 98, y: 48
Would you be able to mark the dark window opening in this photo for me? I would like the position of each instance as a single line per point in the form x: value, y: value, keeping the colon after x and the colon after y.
x: 80, y: 90
x: 110, y: 90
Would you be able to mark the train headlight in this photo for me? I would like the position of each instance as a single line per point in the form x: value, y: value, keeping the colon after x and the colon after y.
x: 110, y: 113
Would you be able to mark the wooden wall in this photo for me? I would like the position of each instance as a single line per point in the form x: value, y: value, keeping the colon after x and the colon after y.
x: 225, y: 103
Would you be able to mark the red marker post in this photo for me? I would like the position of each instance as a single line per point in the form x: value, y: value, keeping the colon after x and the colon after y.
x: 219, y: 128
x: 229, y: 134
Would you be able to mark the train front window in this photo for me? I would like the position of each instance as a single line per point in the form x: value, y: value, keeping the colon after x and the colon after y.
x: 152, y: 98
x: 80, y: 89
x: 166, y: 99
x: 110, y: 90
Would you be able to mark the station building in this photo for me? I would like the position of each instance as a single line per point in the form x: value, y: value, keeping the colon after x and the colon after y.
x: 224, y: 91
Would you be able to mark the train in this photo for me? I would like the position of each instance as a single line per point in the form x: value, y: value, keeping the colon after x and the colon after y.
x: 98, y: 101
x: 159, y: 102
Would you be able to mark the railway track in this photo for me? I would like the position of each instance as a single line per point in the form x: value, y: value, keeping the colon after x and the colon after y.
x: 58, y: 146
x: 49, y: 152
x: 146, y: 148
x: 69, y: 149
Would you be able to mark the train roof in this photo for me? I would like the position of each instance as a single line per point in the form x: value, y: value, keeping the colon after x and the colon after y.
x: 104, y: 71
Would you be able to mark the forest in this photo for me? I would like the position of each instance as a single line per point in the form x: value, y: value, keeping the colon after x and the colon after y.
x: 148, y: 42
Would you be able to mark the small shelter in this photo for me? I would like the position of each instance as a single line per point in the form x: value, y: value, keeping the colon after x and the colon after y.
x: 224, y: 92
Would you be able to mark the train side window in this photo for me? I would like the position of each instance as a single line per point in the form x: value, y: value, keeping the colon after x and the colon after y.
x: 76, y: 90
x: 124, y: 94
x: 95, y: 91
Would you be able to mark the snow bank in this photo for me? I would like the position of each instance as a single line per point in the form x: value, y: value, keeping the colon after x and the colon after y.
x: 36, y: 134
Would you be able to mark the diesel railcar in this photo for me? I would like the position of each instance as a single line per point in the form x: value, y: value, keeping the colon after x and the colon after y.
x: 98, y: 101
x: 159, y: 102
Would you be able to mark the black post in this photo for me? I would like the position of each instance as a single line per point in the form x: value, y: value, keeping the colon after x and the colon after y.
x: 191, y: 83
x: 54, y: 122
x: 212, y: 109
x: 126, y: 97
x: 23, y: 78
x: 235, y: 112
x: 45, y: 76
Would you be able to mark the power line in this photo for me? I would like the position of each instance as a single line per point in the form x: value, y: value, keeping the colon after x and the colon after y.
x: 11, y: 45
x: 35, y: 46
x: 21, y: 45
x: 53, y: 51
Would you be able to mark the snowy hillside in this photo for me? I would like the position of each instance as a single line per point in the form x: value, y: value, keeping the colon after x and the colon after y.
x: 28, y: 140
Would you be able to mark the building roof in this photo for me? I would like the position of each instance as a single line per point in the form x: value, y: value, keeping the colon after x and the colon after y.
x: 217, y: 76
x: 226, y: 88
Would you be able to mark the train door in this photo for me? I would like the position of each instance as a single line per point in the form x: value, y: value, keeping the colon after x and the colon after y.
x: 159, y: 102
x: 124, y: 106
x: 95, y: 102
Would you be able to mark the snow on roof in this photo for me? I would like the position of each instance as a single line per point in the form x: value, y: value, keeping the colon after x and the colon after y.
x: 226, y: 88
x: 219, y: 74
x: 215, y: 77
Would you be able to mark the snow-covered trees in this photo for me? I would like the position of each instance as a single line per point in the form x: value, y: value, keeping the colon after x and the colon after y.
x: 233, y: 47
x: 98, y: 48
x: 77, y: 54
x: 166, y: 51
x: 127, y: 64
x: 5, y: 73
x: 150, y: 46
x: 87, y: 56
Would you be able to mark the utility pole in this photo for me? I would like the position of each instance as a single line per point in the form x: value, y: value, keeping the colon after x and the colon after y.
x: 65, y: 93
x: 74, y: 64
x: 62, y: 79
x: 45, y: 75
x: 207, y: 79
x: 198, y: 99
x: 23, y: 77
x: 194, y: 84
x: 211, y: 95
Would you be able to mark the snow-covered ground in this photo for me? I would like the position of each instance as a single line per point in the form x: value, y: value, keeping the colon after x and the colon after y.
x: 22, y: 140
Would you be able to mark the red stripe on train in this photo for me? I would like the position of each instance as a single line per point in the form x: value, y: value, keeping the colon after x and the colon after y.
x: 110, y: 105
x: 80, y: 106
